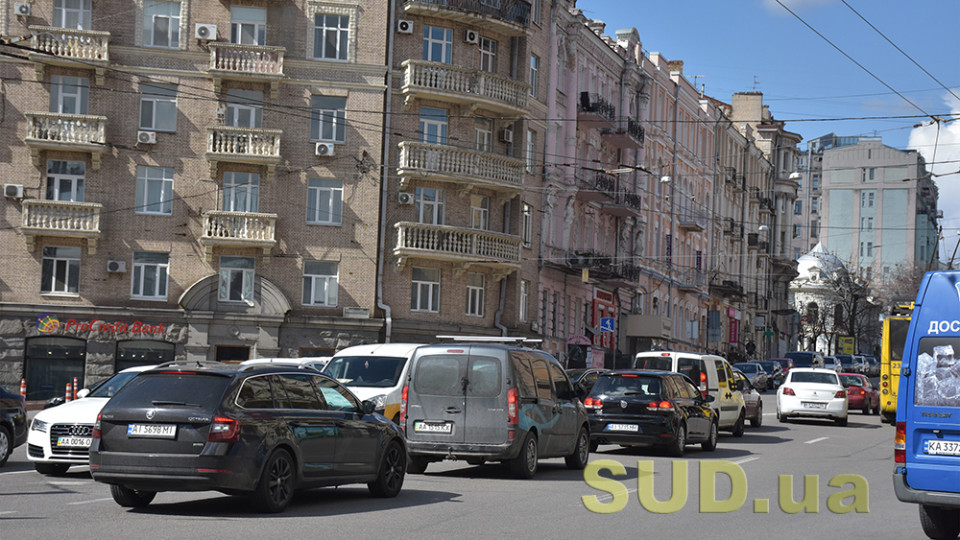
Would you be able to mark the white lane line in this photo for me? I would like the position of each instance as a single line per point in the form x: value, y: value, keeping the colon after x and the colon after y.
x: 818, y: 439
x: 66, y: 483
x: 8, y: 512
x: 17, y: 472
x: 746, y: 460
x: 90, y: 502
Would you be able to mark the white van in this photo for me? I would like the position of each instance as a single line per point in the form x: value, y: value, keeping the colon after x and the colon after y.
x: 374, y: 372
x: 712, y: 374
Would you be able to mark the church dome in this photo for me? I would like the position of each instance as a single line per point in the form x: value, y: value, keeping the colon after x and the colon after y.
x: 817, y: 263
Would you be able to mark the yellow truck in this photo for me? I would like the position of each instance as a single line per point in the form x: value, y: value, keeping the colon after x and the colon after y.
x: 895, y: 328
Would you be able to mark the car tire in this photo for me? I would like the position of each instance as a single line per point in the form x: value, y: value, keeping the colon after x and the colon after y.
x: 781, y: 418
x: 51, y: 469
x: 417, y: 465
x: 6, y: 445
x: 594, y: 446
x: 711, y: 443
x: 876, y: 410
x: 392, y: 468
x: 131, y: 498
x: 841, y: 421
x: 278, y: 479
x: 758, y: 420
x: 476, y: 462
x: 939, y: 522
x: 679, y: 441
x: 865, y: 410
x: 739, y: 427
x: 581, y: 452
x: 525, y: 464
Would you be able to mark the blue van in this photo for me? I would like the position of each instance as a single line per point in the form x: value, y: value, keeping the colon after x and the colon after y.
x: 927, y: 444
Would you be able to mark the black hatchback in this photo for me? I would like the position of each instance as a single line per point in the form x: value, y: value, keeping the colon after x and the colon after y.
x: 650, y: 408
x: 13, y: 423
x: 262, y: 431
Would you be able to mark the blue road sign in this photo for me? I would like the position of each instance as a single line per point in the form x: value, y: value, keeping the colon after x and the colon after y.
x: 607, y: 324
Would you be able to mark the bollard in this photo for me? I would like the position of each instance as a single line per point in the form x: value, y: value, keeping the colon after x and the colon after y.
x: 74, y: 388
x: 23, y: 388
x: 66, y: 397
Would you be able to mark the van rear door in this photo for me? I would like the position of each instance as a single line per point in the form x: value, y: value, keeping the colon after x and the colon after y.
x: 436, y: 405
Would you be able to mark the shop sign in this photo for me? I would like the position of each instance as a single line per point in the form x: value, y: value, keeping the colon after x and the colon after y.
x: 48, y: 323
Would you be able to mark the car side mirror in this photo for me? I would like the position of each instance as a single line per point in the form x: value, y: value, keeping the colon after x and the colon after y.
x: 567, y: 394
x: 368, y: 407
x: 84, y: 392
x: 708, y: 398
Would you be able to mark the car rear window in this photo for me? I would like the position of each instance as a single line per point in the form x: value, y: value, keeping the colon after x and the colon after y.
x: 201, y: 390
x: 850, y: 380
x: 813, y: 377
x: 444, y: 375
x: 656, y: 363
x: 801, y: 359
x: 628, y: 385
x: 746, y: 368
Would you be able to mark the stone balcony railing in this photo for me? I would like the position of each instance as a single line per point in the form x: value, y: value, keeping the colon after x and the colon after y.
x: 238, y: 229
x: 459, y: 245
x: 84, y: 49
x: 468, y: 168
x: 470, y: 87
x: 255, y: 146
x: 66, y: 132
x: 64, y: 219
x: 235, y: 61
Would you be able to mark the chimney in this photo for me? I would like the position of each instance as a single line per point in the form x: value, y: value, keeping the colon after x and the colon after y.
x: 597, y: 26
x: 675, y: 66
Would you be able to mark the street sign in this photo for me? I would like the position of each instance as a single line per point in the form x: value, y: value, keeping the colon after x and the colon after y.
x: 607, y: 324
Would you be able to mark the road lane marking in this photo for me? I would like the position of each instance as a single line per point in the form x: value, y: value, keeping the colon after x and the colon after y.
x: 818, y: 439
x: 746, y: 460
x: 16, y: 472
x: 66, y: 483
x: 5, y: 512
x: 90, y: 502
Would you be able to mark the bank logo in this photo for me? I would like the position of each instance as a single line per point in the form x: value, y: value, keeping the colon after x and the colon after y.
x: 48, y: 323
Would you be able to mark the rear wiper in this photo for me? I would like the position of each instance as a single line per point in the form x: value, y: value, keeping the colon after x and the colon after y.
x: 633, y: 393
x: 180, y: 403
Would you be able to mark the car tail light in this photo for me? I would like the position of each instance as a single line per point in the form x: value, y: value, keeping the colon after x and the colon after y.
x: 96, y: 428
x: 223, y: 430
x: 840, y: 394
x: 900, y: 443
x: 856, y: 391
x: 703, y: 384
x: 787, y: 391
x: 513, y: 418
x: 660, y: 406
x: 403, y: 406
x: 594, y: 404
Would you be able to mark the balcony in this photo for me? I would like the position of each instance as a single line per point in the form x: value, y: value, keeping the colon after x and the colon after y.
x: 726, y: 287
x: 622, y: 274
x: 588, y: 259
x: 465, y: 167
x: 764, y: 248
x: 61, y: 219
x: 693, y: 281
x: 730, y: 175
x: 465, y: 248
x: 624, y: 204
x: 730, y: 227
x: 597, y: 186
x: 238, y: 230
x: 471, y: 88
x: 255, y: 146
x: 236, y: 62
x: 66, y: 132
x: 627, y: 135
x: 510, y: 17
x: 690, y: 223
x: 595, y: 112
x: 69, y: 47
x: 766, y: 205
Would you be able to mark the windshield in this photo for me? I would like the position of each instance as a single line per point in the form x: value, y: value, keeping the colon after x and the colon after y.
x: 656, y: 363
x: 747, y: 368
x: 376, y: 371
x: 111, y: 386
x: 769, y: 366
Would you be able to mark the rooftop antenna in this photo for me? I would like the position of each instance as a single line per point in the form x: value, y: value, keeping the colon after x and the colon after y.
x: 695, y: 77
x: 756, y: 81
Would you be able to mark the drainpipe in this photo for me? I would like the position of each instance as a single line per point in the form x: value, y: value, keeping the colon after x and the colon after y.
x: 384, y: 174
x: 508, y: 210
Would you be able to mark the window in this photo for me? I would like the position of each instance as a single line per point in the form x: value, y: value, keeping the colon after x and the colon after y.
x: 248, y: 25
x: 526, y: 226
x: 327, y: 119
x: 814, y: 204
x: 475, y: 282
x: 531, y: 148
x: 154, y: 190
x: 241, y: 192
x: 488, y: 55
x: 484, y: 134
x: 480, y: 211
x: 72, y: 14
x: 534, y: 75
x: 65, y: 180
x: 861, y: 249
x: 433, y: 125
x: 536, y: 11
x: 814, y: 228
x: 68, y: 95
x: 325, y: 201
x: 425, y: 291
x: 870, y: 200
x: 798, y: 208
x: 158, y: 107
x: 869, y: 249
x: 60, y: 272
x: 320, y: 283
x: 236, y: 279
x: 524, y: 300
x: 815, y: 184
x: 161, y: 24
x: 429, y: 205
x: 437, y: 44
x: 244, y: 108
x: 150, y: 271
x: 331, y: 36
x: 869, y: 223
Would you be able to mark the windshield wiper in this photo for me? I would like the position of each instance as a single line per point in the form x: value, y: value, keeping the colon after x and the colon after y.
x: 180, y: 403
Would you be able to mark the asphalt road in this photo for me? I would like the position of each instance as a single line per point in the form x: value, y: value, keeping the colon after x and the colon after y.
x: 454, y: 499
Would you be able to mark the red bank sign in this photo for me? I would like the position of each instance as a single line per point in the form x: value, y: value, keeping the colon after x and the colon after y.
x: 47, y: 324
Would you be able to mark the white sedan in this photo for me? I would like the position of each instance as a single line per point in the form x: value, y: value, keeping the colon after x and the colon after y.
x: 812, y: 392
x: 60, y: 436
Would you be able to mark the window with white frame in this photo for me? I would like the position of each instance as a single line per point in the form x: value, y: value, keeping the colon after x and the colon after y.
x: 531, y: 149
x: 150, y: 273
x: 869, y: 249
x: 437, y: 44
x: 488, y: 55
x: 328, y: 119
x: 72, y: 14
x: 241, y: 192
x: 480, y: 212
x: 158, y: 107
x: 154, y: 190
x: 65, y: 180
x: 798, y: 208
x: 69, y: 95
x: 331, y: 36
x: 244, y: 108
x: 524, y: 300
x: 425, y: 290
x: 320, y: 283
x: 161, y: 24
x: 475, y: 287
x: 534, y: 75
x: 814, y: 204
x: 236, y: 279
x: 869, y: 223
x: 248, y: 25
x: 484, y: 134
x: 325, y: 201
x: 429, y: 205
x: 433, y: 125
x: 870, y: 197
x: 60, y: 270
x: 526, y: 225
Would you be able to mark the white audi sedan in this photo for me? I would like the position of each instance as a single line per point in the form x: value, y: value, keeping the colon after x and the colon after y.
x: 60, y: 436
x: 814, y: 393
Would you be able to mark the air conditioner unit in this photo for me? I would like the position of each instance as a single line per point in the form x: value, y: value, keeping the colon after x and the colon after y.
x: 116, y: 266
x: 205, y: 31
x: 471, y: 36
x: 324, y: 149
x: 404, y: 26
x: 356, y: 313
x: 404, y: 197
x: 13, y: 191
x: 22, y: 9
x: 506, y: 136
x: 146, y: 137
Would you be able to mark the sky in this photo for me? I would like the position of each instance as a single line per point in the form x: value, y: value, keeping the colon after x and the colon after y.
x: 806, y: 65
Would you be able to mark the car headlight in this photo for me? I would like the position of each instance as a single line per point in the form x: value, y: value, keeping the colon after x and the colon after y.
x: 379, y: 402
x: 39, y: 425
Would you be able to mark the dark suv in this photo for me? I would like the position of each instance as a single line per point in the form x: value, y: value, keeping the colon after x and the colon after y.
x: 13, y: 423
x: 262, y: 431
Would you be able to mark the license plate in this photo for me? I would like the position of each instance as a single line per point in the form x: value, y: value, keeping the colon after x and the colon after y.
x: 433, y: 427
x: 623, y: 427
x: 814, y: 405
x: 160, y: 431
x: 76, y: 442
x: 941, y: 448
